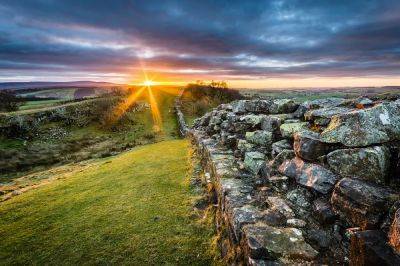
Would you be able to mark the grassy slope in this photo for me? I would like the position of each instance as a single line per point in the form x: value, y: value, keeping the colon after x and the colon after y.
x: 38, y: 104
x: 130, y: 209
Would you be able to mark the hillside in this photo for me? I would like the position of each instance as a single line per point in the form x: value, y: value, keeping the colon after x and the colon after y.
x: 35, y: 139
x: 30, y: 85
x: 133, y: 208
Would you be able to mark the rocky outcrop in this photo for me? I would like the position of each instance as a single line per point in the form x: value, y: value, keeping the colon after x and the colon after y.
x: 303, y: 183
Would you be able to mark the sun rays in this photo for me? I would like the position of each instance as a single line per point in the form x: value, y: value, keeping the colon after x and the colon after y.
x: 139, y: 93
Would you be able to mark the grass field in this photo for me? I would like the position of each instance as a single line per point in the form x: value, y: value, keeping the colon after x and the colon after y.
x: 38, y: 104
x: 60, y: 93
x: 133, y: 208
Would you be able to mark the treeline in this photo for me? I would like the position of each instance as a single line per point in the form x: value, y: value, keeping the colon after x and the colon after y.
x: 200, y: 97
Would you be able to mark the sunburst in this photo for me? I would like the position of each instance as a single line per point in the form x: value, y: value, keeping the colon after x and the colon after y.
x: 147, y: 86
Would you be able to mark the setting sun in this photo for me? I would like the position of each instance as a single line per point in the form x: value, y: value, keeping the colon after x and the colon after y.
x: 148, y: 83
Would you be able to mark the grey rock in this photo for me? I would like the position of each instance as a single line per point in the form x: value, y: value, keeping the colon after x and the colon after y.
x: 323, y: 211
x: 279, y: 183
x: 241, y: 127
x: 309, y: 175
x: 233, y: 193
x: 279, y: 106
x: 362, y: 102
x: 319, y: 237
x: 267, y: 242
x: 253, y: 120
x: 360, y: 203
x: 279, y: 146
x: 316, y: 104
x: 279, y: 159
x: 265, y: 170
x: 243, y: 215
x: 273, y: 218
x: 288, y: 129
x: 365, y: 127
x: 253, y: 161
x: 260, y: 137
x: 244, y: 146
x: 280, y: 205
x: 370, y: 163
x: 323, y: 116
x: 251, y: 106
x: 272, y: 123
x: 253, y: 262
x: 308, y: 146
x: 300, y: 197
x: 298, y: 223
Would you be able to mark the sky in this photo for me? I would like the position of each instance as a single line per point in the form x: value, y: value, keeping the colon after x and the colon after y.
x: 249, y: 44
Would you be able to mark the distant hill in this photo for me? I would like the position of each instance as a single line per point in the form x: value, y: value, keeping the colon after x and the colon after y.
x: 80, y: 84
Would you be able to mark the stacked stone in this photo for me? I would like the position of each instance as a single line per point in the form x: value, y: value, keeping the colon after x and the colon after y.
x: 305, y: 183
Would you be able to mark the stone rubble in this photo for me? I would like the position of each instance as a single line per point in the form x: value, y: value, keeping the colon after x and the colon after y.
x: 304, y: 183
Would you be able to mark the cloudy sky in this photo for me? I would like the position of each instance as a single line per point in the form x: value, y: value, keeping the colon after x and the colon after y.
x: 281, y: 43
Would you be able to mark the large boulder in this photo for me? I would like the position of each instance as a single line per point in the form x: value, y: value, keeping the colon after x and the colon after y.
x: 359, y: 203
x: 253, y: 161
x: 308, y: 146
x: 267, y: 242
x: 370, y: 163
x: 365, y: 127
x: 309, y: 175
x: 260, y: 137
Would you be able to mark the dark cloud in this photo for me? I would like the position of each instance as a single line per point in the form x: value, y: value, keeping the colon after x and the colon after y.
x: 220, y: 38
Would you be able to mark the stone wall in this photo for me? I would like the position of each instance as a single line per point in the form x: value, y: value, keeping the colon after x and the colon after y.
x: 182, y: 126
x: 309, y: 183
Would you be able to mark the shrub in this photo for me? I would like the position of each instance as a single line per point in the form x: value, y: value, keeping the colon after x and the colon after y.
x: 198, y: 98
x: 9, y: 101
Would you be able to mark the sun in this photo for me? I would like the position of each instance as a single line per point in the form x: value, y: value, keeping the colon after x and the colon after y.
x: 148, y: 83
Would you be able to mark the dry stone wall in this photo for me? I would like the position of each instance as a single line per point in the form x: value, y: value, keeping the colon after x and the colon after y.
x: 309, y: 183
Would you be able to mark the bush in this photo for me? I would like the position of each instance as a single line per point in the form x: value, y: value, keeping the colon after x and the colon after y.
x: 199, y: 98
x: 9, y: 102
x: 214, y: 92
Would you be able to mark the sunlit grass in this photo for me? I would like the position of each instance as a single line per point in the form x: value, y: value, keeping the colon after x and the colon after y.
x: 130, y: 209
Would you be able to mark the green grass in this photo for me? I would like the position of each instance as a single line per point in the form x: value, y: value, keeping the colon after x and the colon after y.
x: 61, y: 93
x: 130, y: 209
x: 38, y: 104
